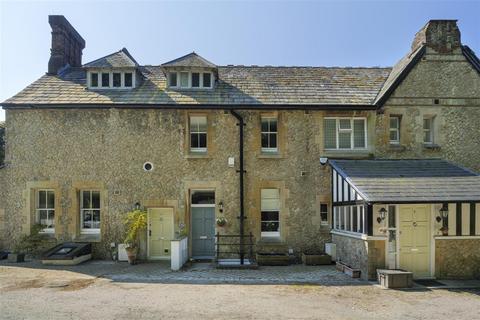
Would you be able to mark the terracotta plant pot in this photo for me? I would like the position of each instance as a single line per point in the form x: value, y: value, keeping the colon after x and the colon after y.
x: 132, y: 255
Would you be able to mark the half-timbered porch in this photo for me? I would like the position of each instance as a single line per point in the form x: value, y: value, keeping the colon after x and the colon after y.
x: 419, y: 215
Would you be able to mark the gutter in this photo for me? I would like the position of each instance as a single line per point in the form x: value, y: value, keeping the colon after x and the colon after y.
x: 332, y: 107
x: 241, y: 125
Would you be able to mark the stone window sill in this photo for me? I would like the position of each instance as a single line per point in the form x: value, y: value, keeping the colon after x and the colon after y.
x: 197, y: 156
x: 88, y: 237
x: 397, y: 147
x: 354, y: 154
x: 264, y: 155
x: 431, y: 147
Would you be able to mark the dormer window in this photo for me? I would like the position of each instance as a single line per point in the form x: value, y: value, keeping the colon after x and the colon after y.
x: 105, y: 80
x: 111, y: 79
x: 94, y: 80
x: 190, y: 80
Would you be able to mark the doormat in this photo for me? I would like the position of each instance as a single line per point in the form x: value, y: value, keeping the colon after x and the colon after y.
x: 429, y: 283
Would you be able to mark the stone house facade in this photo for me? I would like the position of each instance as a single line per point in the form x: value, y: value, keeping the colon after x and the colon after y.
x: 92, y: 140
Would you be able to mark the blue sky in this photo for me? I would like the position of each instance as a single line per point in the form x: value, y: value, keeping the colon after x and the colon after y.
x: 340, y: 33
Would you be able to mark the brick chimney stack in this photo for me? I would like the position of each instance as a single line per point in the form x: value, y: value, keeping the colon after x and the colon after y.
x: 443, y: 36
x: 67, y: 45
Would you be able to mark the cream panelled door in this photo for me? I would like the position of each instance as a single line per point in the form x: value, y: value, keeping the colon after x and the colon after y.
x: 415, y: 239
x: 160, y: 232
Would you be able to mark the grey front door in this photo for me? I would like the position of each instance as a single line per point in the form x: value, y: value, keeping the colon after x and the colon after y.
x: 203, y: 232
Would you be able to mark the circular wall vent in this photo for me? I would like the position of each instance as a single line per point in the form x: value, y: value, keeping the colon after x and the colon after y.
x: 148, y: 166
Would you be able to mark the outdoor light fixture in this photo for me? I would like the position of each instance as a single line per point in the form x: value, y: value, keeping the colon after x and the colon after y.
x: 323, y: 161
x: 220, y: 206
x: 137, y: 206
x: 444, y: 211
x: 383, y: 214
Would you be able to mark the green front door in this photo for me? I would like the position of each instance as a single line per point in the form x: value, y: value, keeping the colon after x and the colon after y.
x: 203, y: 232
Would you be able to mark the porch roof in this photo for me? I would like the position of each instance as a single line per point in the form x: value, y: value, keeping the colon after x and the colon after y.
x: 409, y: 181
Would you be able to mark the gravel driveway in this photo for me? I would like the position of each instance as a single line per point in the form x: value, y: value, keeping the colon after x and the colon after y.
x: 99, y: 290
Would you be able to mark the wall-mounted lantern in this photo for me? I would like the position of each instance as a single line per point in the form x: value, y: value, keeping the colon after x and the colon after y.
x: 137, y: 205
x: 383, y: 214
x: 444, y: 211
x: 220, y: 207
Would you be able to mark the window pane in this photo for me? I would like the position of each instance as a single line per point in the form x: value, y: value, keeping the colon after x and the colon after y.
x: 270, y: 199
x: 426, y: 124
x: 43, y: 217
x: 330, y: 133
x: 344, y: 140
x: 86, y: 200
x: 426, y: 136
x: 94, y: 79
x: 172, y: 77
x: 207, y: 80
x: 347, y: 218
x: 50, y: 199
x: 198, y: 124
x: 195, y: 79
x: 184, y: 79
x: 269, y: 215
x: 273, y: 125
x: 128, y: 79
x: 264, y: 140
x: 264, y: 125
x: 393, y: 122
x: 361, y: 227
x: 354, y: 219
x: 393, y: 136
x: 270, y: 226
x: 359, y: 133
x: 87, y: 219
x: 203, y: 140
x: 42, y: 199
x: 345, y: 124
x: 96, y: 219
x: 96, y: 199
x: 323, y: 212
x: 51, y: 219
x: 273, y: 140
x: 203, y: 197
x: 194, y: 140
x: 105, y: 79
x: 117, y: 79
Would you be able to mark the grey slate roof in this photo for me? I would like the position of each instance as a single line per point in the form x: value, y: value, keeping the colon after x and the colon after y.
x: 237, y: 85
x: 190, y: 60
x: 119, y: 59
x: 404, y: 181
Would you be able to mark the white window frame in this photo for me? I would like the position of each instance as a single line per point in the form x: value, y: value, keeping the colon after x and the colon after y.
x: 323, y: 222
x: 89, y: 230
x: 189, y: 86
x: 270, y: 234
x: 269, y: 149
x: 110, y: 84
x: 396, y: 130
x: 190, y: 129
x: 38, y: 209
x: 431, y: 131
x: 340, y: 215
x: 352, y: 136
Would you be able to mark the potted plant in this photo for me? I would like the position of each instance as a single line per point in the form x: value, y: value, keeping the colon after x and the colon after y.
x: 135, y: 222
x: 221, y: 221
x: 30, y: 243
x: 444, y: 230
x: 315, y: 258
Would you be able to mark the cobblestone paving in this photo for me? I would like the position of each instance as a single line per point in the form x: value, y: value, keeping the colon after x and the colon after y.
x: 204, y: 273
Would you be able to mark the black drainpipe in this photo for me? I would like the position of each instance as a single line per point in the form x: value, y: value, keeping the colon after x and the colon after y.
x: 241, y: 124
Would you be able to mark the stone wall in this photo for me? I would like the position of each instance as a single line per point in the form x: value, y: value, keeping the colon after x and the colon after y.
x: 71, y: 150
x: 447, y: 87
x: 457, y: 258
